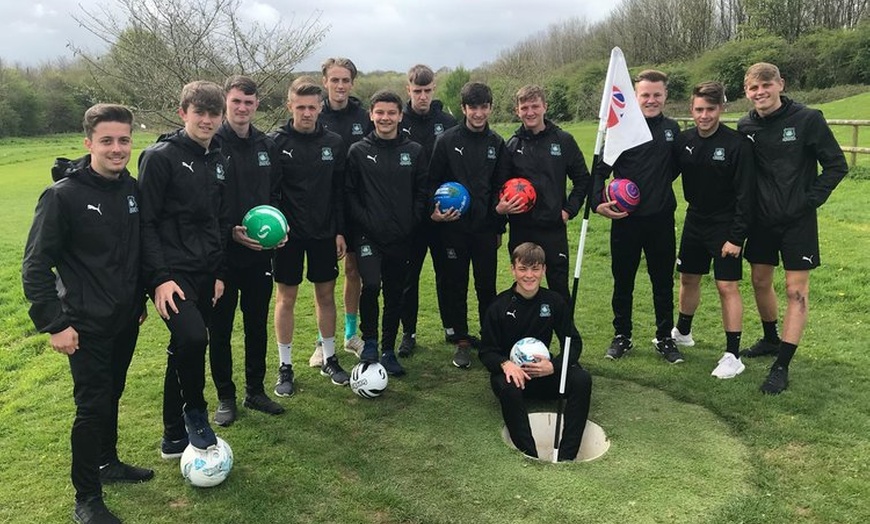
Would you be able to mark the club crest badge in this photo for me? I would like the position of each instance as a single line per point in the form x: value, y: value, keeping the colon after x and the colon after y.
x: 490, y: 153
x: 719, y: 154
x: 356, y: 129
x: 263, y: 159
x: 132, y: 206
x: 439, y: 128
x: 405, y: 159
x: 326, y: 154
x: 219, y: 172
x: 365, y: 250
x: 555, y: 150
x: 789, y: 134
x: 545, y: 310
x: 669, y: 135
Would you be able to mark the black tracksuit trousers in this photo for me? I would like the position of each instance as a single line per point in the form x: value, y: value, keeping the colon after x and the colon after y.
x: 578, y: 391
x: 461, y: 250
x: 254, y: 286
x: 99, y: 373
x: 653, y: 235
x: 387, y: 269
x: 425, y: 238
x: 185, y: 363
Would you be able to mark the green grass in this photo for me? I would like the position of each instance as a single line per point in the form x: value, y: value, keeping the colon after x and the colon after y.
x: 685, y: 447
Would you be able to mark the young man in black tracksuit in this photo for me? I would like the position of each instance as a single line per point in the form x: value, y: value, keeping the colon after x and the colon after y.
x: 423, y: 121
x: 311, y: 194
x: 528, y: 310
x: 86, y: 227
x: 548, y: 157
x: 717, y: 168
x: 185, y: 226
x: 473, y: 155
x: 650, y: 227
x: 345, y: 115
x: 386, y: 194
x: 790, y: 141
x: 253, y: 171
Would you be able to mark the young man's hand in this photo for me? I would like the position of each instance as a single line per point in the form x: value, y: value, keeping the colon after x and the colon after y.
x: 606, y: 209
x: 218, y: 291
x: 510, y: 206
x: 164, y: 298
x: 514, y: 374
x: 340, y: 246
x: 730, y: 250
x: 66, y: 341
x: 240, y: 235
x: 444, y: 216
x: 538, y: 368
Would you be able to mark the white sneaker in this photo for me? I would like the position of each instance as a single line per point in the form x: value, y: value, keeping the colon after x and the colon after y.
x: 729, y: 367
x: 681, y: 339
x: 354, y: 345
x: 316, y: 360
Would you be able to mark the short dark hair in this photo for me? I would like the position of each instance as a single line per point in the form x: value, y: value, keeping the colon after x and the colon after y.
x: 421, y: 75
x: 204, y: 95
x: 652, y: 75
x: 339, y: 62
x: 528, y: 253
x: 475, y: 94
x: 245, y: 84
x: 99, y: 113
x: 530, y: 92
x: 385, y: 95
x: 304, y: 86
x: 713, y: 92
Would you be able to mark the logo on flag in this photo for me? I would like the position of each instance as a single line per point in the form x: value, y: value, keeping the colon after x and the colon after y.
x: 617, y: 107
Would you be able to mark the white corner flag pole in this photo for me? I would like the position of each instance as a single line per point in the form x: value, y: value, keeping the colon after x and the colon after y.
x: 603, y: 113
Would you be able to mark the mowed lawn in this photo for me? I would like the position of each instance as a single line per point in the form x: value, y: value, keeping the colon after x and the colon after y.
x: 685, y: 447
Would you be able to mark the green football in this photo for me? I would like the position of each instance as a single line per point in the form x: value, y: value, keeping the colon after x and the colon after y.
x: 265, y: 224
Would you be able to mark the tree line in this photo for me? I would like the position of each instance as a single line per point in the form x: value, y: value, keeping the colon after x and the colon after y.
x: 156, y: 47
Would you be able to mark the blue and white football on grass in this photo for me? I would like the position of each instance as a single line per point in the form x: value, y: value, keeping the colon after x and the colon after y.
x: 527, y: 350
x: 207, y: 468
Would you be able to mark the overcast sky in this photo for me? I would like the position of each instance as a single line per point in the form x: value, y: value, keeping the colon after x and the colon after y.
x: 376, y: 34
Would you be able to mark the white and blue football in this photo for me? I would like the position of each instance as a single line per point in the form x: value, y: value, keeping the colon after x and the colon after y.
x: 528, y: 350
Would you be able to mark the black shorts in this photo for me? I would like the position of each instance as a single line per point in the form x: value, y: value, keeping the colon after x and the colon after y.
x: 797, y: 243
x: 702, y: 243
x: 322, y: 261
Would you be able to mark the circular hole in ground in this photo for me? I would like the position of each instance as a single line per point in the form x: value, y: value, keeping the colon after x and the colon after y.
x: 593, y: 445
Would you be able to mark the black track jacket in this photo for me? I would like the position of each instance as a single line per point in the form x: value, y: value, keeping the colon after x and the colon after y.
x: 185, y: 217
x: 424, y: 129
x: 311, y: 181
x: 87, y: 227
x: 548, y: 159
x: 351, y: 123
x: 718, y: 175
x: 478, y: 161
x: 652, y: 166
x: 386, y: 188
x: 788, y: 144
x: 511, y: 317
x: 250, y: 181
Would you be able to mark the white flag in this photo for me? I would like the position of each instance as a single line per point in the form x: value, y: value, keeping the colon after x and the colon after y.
x: 626, y: 126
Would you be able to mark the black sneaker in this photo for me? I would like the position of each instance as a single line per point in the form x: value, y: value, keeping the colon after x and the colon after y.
x: 462, y: 356
x: 332, y: 369
x: 260, y: 402
x: 118, y: 471
x: 173, y: 449
x: 284, y: 386
x: 668, y: 349
x: 199, y: 432
x: 225, y: 414
x: 761, y: 348
x: 370, y: 351
x: 408, y: 344
x: 777, y: 380
x: 94, y: 511
x: 391, y: 364
x: 620, y: 345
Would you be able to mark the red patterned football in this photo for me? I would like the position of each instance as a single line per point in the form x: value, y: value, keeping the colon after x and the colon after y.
x: 522, y: 187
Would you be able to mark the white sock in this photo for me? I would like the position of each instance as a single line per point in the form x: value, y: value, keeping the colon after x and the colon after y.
x: 328, y: 347
x: 285, y: 351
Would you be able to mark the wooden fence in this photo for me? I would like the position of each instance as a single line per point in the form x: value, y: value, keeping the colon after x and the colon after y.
x: 852, y: 148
